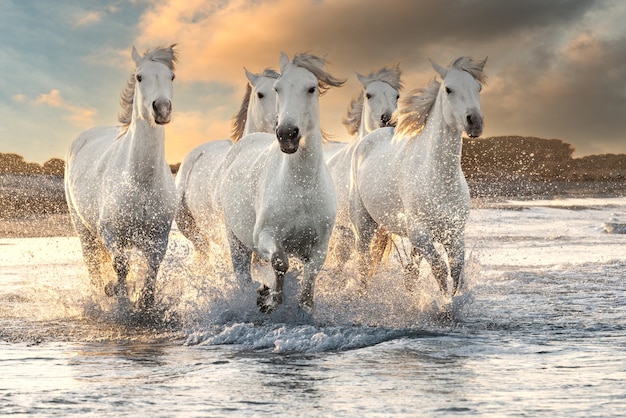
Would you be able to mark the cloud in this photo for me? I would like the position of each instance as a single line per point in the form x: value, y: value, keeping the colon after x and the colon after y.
x: 553, y: 66
x: 94, y: 17
x: 78, y: 116
x: 189, y: 129
x: 89, y: 19
x: 19, y: 98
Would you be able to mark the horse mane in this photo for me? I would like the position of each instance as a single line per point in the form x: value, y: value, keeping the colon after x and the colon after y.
x: 316, y: 65
x: 239, y: 120
x: 164, y: 55
x: 473, y: 67
x: 414, y: 109
x: 389, y: 75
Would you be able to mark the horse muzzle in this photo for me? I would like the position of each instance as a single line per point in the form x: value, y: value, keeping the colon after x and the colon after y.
x: 474, y: 124
x: 162, y: 111
x: 386, y: 121
x: 288, y: 138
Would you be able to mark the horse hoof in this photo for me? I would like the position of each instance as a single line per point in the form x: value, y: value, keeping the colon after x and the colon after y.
x: 307, y: 306
x: 113, y: 289
x: 268, y: 300
x: 146, y: 302
x: 109, y: 289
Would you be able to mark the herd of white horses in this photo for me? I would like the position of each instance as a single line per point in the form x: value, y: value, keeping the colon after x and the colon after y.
x: 278, y: 188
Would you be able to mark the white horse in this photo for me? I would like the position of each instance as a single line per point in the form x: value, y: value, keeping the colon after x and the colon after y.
x: 371, y: 110
x: 410, y: 182
x: 118, y: 186
x: 276, y: 193
x: 196, y: 180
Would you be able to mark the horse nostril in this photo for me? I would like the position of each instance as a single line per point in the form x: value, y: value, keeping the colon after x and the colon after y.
x: 154, y: 106
x: 294, y: 132
x: 385, y: 118
x: 288, y: 133
x: 470, y: 120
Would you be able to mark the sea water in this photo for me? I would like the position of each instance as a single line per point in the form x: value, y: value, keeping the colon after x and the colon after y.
x: 538, y: 330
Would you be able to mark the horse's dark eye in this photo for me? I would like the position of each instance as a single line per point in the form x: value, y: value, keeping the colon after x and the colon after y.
x: 312, y: 90
x: 173, y: 77
x: 397, y: 97
x: 138, y: 77
x: 448, y: 90
x: 260, y: 95
x: 369, y: 96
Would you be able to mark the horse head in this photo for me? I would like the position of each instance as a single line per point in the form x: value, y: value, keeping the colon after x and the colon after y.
x: 298, y: 88
x: 261, y: 115
x: 153, y: 84
x: 380, y: 97
x: 460, y: 90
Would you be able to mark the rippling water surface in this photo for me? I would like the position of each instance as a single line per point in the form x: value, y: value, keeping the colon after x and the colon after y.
x: 539, y: 330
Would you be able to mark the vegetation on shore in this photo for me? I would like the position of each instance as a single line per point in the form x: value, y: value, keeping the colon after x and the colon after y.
x: 505, y: 166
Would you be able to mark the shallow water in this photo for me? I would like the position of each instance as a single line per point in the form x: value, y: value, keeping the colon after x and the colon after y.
x: 538, y: 330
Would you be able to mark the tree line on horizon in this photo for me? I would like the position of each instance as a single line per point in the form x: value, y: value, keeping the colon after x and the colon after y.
x: 501, y: 158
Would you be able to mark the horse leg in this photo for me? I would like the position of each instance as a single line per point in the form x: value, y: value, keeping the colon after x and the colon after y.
x: 456, y: 258
x: 365, y: 228
x: 270, y: 297
x: 121, y: 267
x: 93, y: 252
x: 312, y: 266
x: 240, y: 256
x: 341, y: 245
x: 412, y: 270
x: 380, y: 248
x: 120, y: 259
x: 423, y: 244
x: 154, y: 250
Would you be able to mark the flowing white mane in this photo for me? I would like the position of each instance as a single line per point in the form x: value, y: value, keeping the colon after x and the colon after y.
x: 164, y: 55
x: 414, y: 109
x: 315, y: 65
x: 389, y: 75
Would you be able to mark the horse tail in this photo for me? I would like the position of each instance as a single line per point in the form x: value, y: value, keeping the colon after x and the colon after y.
x: 380, y: 249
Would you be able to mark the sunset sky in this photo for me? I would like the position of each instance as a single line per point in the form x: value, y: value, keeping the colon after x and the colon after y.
x: 556, y: 69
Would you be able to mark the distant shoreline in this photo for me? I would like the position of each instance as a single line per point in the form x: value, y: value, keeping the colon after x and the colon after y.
x: 33, y: 205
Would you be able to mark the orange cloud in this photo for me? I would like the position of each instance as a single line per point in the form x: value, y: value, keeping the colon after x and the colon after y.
x: 78, y: 116
x: 190, y: 129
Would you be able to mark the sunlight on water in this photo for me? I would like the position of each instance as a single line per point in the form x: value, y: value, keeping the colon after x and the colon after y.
x: 539, y: 327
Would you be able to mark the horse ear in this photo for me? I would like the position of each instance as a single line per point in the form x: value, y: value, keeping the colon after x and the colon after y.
x: 284, y: 60
x: 136, y: 56
x: 361, y: 78
x: 482, y: 63
x: 250, y: 76
x: 440, y: 70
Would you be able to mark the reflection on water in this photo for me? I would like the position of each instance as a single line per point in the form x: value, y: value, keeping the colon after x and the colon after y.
x: 540, y: 330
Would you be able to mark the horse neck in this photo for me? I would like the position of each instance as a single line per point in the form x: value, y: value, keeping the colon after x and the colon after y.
x: 145, y: 150
x: 440, y: 143
x: 306, y: 161
x: 250, y: 127
x: 362, y: 129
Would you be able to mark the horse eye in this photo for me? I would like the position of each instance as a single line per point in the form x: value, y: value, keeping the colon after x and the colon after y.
x: 138, y: 77
x: 448, y: 90
x: 260, y: 95
x: 480, y: 88
x: 397, y: 97
x: 173, y: 77
x: 369, y: 96
x: 312, y: 90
